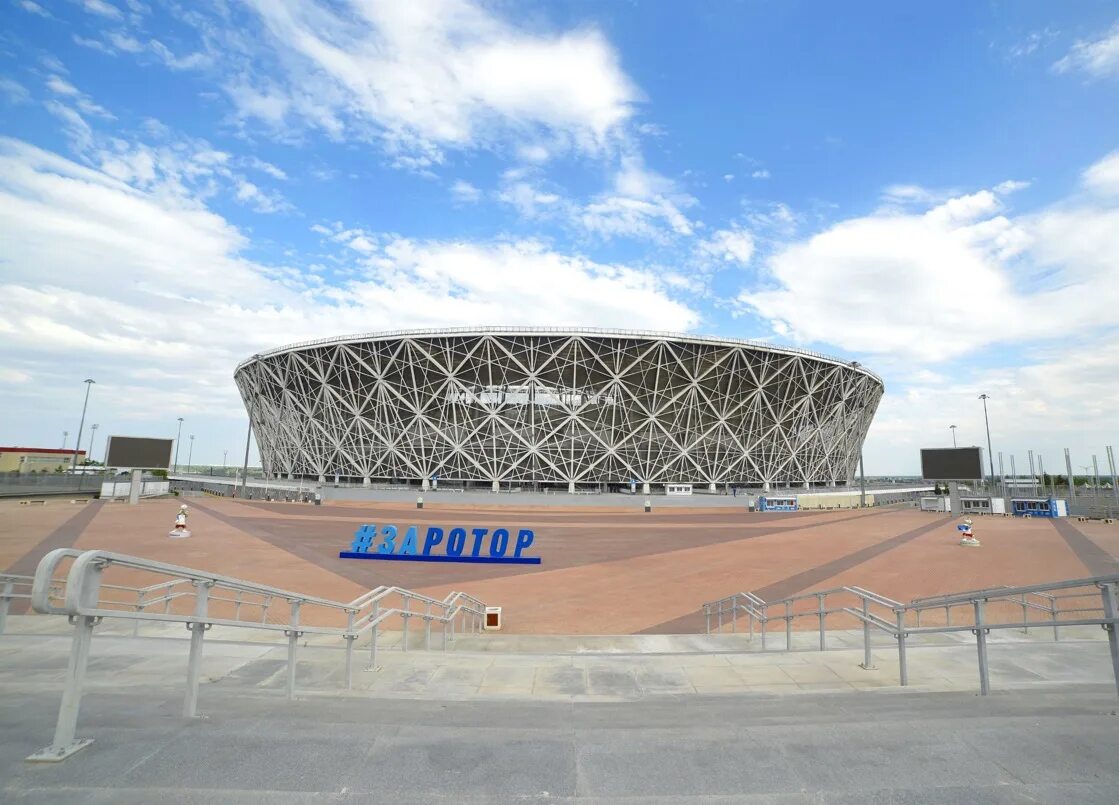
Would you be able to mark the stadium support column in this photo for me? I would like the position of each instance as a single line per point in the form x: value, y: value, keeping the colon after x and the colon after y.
x: 496, y: 485
x: 571, y: 487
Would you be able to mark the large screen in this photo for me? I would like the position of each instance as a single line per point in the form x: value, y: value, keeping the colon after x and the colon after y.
x: 139, y: 454
x: 952, y: 464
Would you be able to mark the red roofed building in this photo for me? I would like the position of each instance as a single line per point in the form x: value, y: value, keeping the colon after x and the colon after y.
x: 37, y: 459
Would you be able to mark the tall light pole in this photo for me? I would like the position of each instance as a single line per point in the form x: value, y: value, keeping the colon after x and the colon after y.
x: 190, y: 452
x: 92, y: 435
x: 224, y: 459
x: 78, y: 444
x: 65, y: 434
x: 180, y: 433
x: 953, y: 429
x: 987, y: 423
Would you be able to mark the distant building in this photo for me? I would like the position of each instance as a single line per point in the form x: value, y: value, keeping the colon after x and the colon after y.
x: 26, y: 460
x: 1022, y: 481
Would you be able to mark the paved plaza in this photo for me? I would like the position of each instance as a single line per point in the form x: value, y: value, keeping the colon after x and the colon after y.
x: 605, y: 570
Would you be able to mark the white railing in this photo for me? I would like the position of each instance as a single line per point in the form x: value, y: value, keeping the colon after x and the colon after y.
x: 1088, y: 602
x: 200, y: 600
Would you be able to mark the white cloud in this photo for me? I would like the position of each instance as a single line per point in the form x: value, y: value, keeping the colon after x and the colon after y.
x: 1103, y: 177
x: 1028, y: 408
x: 33, y: 8
x: 1099, y: 57
x: 945, y: 282
x: 13, y: 91
x: 728, y: 246
x: 266, y: 167
x: 464, y: 192
x: 428, y: 76
x: 260, y: 200
x: 728, y: 177
x: 101, y: 8
x: 61, y: 86
x: 760, y: 174
x: 126, y: 282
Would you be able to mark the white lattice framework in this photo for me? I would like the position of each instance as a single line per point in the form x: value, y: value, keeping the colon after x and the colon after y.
x: 559, y: 406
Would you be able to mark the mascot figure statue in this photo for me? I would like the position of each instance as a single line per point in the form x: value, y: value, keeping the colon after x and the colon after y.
x: 180, y: 530
x: 967, y: 537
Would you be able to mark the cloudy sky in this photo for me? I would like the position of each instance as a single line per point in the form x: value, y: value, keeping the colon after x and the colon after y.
x: 931, y: 189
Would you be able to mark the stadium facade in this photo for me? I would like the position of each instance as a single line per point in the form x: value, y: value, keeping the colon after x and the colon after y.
x: 558, y: 408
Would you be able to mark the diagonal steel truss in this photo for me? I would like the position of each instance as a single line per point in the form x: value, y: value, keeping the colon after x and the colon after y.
x: 557, y: 406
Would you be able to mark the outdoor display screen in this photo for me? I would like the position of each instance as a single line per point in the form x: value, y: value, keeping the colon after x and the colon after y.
x: 952, y: 464
x: 136, y: 453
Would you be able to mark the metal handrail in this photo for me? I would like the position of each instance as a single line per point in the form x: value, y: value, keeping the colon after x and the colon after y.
x: 84, y: 604
x: 1051, y: 593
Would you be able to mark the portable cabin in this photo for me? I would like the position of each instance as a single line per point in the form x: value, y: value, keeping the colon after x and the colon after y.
x: 939, y: 503
x: 1038, y: 507
x: 777, y: 504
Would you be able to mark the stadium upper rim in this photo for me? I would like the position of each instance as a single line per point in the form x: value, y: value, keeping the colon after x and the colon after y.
x: 386, y: 335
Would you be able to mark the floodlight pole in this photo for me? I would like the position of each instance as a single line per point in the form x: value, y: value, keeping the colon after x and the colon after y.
x: 987, y: 423
x: 177, y: 437
x: 953, y: 429
x: 190, y: 452
x: 78, y: 443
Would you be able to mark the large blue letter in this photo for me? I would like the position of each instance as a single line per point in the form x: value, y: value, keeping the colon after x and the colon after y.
x: 499, y: 541
x: 434, y: 537
x: 389, y: 533
x: 363, y: 538
x: 455, y: 541
x: 478, y: 534
x: 409, y: 544
x: 524, y: 539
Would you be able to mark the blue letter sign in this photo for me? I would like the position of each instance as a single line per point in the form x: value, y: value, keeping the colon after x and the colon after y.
x: 458, y: 545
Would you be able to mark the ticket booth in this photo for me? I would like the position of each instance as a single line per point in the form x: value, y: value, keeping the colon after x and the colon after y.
x: 678, y: 489
x: 1038, y: 507
x: 777, y: 504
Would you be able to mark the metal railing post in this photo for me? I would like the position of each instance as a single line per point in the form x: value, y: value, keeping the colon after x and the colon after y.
x: 720, y: 628
x: 707, y: 617
x: 1053, y: 615
x: 981, y: 647
x: 237, y: 607
x: 404, y: 630
x: 917, y: 612
x: 1025, y: 615
x: 373, y: 635
x: 264, y: 608
x: 427, y: 627
x: 750, y: 615
x: 734, y: 613
x: 5, y: 600
x: 65, y: 744
x: 197, y: 631
x: 293, y: 643
x: 903, y: 672
x: 445, y: 619
x: 1111, y: 611
x: 788, y: 626
x: 764, y: 623
x: 948, y: 616
x: 139, y: 609
x: 867, y: 663
x: 820, y: 610
x: 350, y: 638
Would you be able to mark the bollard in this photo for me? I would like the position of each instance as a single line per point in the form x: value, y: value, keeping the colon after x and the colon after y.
x: 981, y: 646
x: 903, y: 674
x: 867, y: 664
x: 419, y: 502
x: 648, y: 505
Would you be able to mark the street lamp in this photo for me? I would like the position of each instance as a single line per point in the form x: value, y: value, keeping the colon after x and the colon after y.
x: 224, y: 459
x: 190, y: 452
x: 987, y: 423
x: 177, y: 437
x: 953, y: 429
x: 78, y: 444
x: 65, y: 434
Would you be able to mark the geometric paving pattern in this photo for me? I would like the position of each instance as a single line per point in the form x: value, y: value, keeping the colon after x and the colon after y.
x: 557, y: 406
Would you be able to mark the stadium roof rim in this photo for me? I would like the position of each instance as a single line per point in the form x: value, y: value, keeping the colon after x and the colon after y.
x: 561, y: 331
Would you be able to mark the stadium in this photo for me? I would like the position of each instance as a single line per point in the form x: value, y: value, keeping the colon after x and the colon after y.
x: 573, y: 409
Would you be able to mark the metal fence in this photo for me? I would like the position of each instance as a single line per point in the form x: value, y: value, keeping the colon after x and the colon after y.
x: 1075, y: 602
x: 101, y: 584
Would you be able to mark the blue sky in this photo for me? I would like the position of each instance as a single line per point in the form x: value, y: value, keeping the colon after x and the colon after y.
x: 930, y: 189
